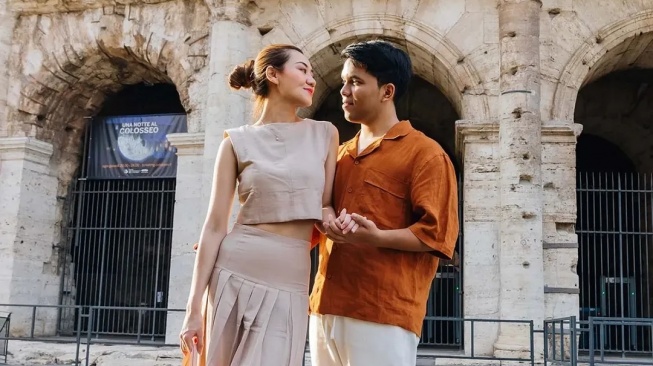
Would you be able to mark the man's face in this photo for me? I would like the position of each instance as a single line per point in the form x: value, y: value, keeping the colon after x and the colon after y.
x: 361, y: 95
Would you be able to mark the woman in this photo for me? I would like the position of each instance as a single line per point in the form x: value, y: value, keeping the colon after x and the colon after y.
x: 257, y: 275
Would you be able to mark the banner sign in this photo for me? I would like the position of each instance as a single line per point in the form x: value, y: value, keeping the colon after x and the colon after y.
x: 134, y: 146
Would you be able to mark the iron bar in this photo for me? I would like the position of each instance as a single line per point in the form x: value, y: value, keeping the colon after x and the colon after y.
x: 531, y: 334
x: 614, y: 239
x: 120, y: 247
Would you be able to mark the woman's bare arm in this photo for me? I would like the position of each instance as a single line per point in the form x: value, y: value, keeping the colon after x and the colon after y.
x: 216, y: 223
x: 329, y: 174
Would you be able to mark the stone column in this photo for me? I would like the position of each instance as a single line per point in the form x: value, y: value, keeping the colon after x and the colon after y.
x: 560, y: 243
x: 7, y: 21
x: 520, y: 185
x: 28, y: 205
x: 478, y: 145
x: 187, y: 223
x: 232, y: 43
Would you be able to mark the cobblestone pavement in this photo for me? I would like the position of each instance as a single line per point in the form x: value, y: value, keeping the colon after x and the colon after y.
x: 56, y: 354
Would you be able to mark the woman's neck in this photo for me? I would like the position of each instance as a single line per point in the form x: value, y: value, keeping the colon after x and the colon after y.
x: 274, y: 112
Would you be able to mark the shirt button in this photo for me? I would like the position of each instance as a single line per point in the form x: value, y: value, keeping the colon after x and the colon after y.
x: 328, y: 277
x: 357, y: 162
x: 349, y: 190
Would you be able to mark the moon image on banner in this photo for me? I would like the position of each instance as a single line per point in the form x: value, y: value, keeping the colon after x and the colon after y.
x: 134, y: 148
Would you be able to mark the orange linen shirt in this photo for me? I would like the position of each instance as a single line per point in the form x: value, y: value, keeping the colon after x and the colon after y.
x: 404, y: 180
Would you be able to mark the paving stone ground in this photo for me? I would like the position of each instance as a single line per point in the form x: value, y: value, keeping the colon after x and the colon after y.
x: 56, y: 354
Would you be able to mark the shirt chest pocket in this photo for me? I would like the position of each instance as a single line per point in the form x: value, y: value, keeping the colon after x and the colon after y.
x: 385, y: 199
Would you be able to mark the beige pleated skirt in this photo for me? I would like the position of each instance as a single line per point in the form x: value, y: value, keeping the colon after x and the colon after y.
x: 257, y: 309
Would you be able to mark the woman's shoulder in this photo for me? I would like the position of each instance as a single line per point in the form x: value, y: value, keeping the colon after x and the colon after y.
x: 230, y: 132
x: 318, y: 122
x: 325, y: 125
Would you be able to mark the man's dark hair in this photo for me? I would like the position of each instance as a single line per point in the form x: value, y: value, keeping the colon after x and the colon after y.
x: 387, y: 63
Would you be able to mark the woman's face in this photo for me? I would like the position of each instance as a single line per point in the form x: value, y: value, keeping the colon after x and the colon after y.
x: 295, y: 82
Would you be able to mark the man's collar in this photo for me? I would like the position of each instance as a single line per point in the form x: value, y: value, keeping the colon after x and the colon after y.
x: 400, y: 129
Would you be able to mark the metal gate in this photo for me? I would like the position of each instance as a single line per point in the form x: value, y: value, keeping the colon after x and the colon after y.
x: 117, y: 253
x: 615, y: 237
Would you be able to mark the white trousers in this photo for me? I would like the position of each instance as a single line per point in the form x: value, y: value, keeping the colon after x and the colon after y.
x: 341, y: 341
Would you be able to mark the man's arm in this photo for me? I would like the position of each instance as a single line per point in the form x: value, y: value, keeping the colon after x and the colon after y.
x: 434, y: 198
x: 399, y: 239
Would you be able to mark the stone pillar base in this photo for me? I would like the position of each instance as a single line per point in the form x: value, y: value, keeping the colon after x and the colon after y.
x: 187, y: 223
x: 28, y: 224
x: 477, y: 145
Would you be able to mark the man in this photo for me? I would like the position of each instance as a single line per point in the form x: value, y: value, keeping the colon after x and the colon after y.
x: 399, y: 188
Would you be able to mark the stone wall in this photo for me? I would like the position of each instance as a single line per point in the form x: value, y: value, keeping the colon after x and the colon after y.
x: 62, y: 59
x: 7, y: 21
x: 61, y: 69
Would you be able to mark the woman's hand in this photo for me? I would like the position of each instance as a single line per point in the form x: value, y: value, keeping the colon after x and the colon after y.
x: 192, y: 332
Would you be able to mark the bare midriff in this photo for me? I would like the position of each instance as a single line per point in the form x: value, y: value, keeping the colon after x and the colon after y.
x: 298, y: 229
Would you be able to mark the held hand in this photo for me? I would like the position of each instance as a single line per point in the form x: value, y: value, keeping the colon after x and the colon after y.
x: 363, y: 231
x: 366, y: 231
x: 191, y: 333
x: 332, y: 228
x: 336, y: 228
x: 346, y: 222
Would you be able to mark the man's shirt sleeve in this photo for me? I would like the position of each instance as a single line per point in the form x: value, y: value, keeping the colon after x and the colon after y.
x: 434, y: 199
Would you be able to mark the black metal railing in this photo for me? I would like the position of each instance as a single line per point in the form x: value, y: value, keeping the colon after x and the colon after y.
x: 470, y: 350
x: 84, y: 333
x: 601, y: 329
x: 560, y: 341
x: 86, y: 337
x: 118, y: 242
x: 615, y: 265
x: 5, y: 325
x: 560, y: 336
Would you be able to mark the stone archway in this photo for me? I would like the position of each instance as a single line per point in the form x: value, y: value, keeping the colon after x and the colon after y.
x: 72, y: 65
x: 617, y: 107
x: 604, y: 88
x: 616, y: 47
x: 434, y: 58
x: 614, y: 180
x: 64, y: 72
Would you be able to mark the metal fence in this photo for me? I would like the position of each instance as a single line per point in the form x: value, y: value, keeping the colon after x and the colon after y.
x: 602, y: 329
x: 5, y: 324
x: 116, y: 255
x: 83, y: 334
x: 615, y: 236
x: 84, y: 337
x: 560, y: 341
x: 560, y: 336
x: 469, y: 352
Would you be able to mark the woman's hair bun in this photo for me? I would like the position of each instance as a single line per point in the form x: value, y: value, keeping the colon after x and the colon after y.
x: 242, y: 76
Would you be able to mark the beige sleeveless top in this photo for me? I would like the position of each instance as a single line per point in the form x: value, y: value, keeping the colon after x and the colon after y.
x: 280, y: 170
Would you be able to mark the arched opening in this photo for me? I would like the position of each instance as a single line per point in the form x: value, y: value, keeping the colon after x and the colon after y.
x: 432, y: 113
x: 143, y: 98
x: 614, y: 163
x: 119, y: 224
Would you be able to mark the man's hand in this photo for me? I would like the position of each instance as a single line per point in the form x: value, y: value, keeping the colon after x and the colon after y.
x: 357, y: 229
x: 334, y: 228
